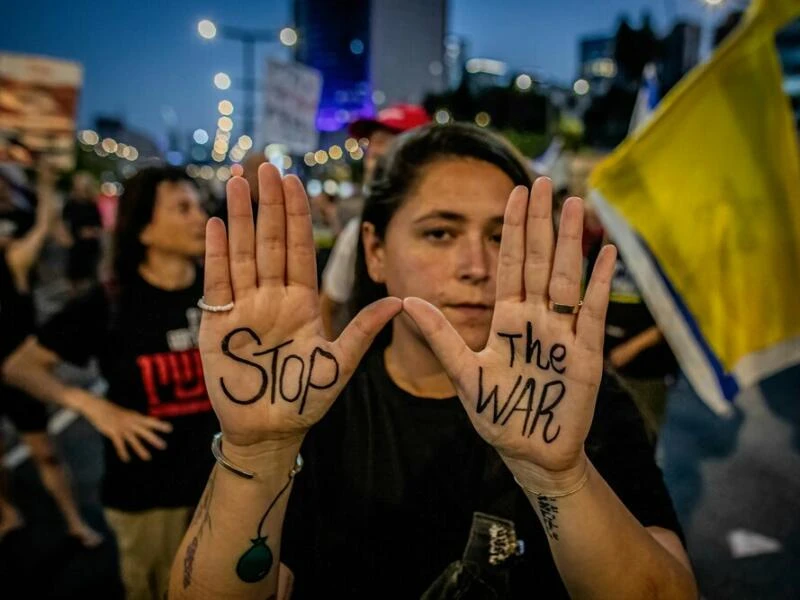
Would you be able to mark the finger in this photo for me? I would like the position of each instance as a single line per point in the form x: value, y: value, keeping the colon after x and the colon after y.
x: 157, y: 424
x: 512, y: 247
x: 216, y: 275
x: 592, y: 316
x: 270, y: 228
x: 539, y: 240
x: 443, y: 339
x: 150, y: 437
x: 565, y: 282
x: 357, y: 337
x: 241, y: 235
x: 301, y: 260
x: 137, y: 446
x: 119, y: 446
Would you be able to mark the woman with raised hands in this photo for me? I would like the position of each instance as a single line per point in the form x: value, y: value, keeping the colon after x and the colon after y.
x: 474, y: 447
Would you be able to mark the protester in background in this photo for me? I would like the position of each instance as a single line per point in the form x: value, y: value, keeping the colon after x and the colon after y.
x: 337, y: 277
x: 143, y: 329
x: 29, y: 417
x: 635, y: 348
x: 16, y: 204
x: 399, y: 460
x: 85, y: 232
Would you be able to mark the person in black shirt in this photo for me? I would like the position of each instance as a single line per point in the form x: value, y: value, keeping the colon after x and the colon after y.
x: 142, y: 327
x: 29, y: 417
x: 635, y: 348
x: 82, y: 218
x: 477, y: 450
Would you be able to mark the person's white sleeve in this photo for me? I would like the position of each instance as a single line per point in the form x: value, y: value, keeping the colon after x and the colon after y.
x: 339, y: 273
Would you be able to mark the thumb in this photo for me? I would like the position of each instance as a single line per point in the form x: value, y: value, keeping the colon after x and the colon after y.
x: 361, y: 331
x: 444, y: 340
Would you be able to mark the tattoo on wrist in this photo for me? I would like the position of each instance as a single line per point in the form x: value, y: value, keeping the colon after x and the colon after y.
x: 255, y: 564
x: 202, y: 517
x: 524, y: 397
x: 290, y: 377
x: 549, y: 511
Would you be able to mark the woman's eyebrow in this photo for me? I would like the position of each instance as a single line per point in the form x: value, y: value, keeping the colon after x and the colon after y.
x: 442, y: 214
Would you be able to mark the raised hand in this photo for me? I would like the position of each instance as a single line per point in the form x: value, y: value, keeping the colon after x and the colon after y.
x: 269, y: 370
x: 531, y: 391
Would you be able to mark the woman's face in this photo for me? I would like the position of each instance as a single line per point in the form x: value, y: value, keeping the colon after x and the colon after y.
x: 179, y: 220
x: 442, y: 244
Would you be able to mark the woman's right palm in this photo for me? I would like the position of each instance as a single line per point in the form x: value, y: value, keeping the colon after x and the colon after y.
x: 269, y: 370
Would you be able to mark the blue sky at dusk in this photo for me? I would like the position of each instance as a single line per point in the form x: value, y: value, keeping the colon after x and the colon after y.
x: 145, y: 62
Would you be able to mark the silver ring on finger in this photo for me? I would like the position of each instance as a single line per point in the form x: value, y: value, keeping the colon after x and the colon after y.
x: 214, y: 307
x: 565, y: 309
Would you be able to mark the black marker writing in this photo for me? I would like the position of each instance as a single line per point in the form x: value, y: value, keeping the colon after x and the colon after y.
x: 289, y: 378
x: 547, y: 410
x: 522, y: 397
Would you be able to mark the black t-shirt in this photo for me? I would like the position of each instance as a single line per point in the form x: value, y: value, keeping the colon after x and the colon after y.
x: 85, y: 252
x: 627, y: 317
x: 146, y: 343
x: 391, y: 482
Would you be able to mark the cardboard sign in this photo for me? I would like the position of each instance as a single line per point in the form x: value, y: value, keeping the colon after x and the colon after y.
x: 291, y: 102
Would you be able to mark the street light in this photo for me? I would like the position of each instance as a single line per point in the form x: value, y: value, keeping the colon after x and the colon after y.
x: 288, y: 36
x: 207, y: 29
x: 222, y: 81
x: 225, y: 107
x: 248, y: 38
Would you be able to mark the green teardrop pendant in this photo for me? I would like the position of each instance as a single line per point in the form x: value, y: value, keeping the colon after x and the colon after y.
x: 254, y: 564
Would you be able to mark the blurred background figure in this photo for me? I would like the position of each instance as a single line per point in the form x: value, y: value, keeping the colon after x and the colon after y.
x: 29, y: 417
x: 635, y: 348
x: 142, y: 327
x: 84, y: 233
x: 338, y: 275
x: 16, y: 206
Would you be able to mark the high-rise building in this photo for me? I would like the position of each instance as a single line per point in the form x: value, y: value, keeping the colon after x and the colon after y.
x: 597, y: 65
x: 455, y: 60
x: 680, y: 52
x: 407, y: 44
x: 371, y: 53
x: 333, y: 37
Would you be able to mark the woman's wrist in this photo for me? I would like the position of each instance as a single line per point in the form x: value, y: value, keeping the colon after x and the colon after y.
x: 81, y: 401
x: 265, y: 458
x: 544, y: 482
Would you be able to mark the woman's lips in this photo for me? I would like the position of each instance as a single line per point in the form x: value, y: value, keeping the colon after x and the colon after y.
x: 472, y: 311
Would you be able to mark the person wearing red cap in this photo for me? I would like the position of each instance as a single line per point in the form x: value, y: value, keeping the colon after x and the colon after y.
x: 337, y: 278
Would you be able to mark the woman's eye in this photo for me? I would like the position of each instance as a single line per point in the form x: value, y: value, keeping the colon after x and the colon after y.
x: 496, y: 238
x: 438, y: 235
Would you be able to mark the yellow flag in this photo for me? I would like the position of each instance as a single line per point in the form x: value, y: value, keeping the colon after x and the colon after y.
x: 704, y: 204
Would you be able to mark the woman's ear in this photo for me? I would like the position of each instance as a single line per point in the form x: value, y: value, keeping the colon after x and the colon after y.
x: 374, y: 252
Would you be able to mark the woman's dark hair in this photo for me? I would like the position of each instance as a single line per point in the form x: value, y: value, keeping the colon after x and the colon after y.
x: 399, y: 171
x: 134, y: 213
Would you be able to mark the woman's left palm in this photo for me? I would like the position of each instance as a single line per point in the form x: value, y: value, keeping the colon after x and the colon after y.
x: 531, y: 391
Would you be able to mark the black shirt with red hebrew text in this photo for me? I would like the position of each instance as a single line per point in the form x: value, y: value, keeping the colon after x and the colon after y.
x: 146, y: 343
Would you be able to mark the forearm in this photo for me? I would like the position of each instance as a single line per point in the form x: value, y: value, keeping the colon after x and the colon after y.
x: 232, y: 547
x: 24, y: 252
x: 28, y: 370
x: 599, y: 547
